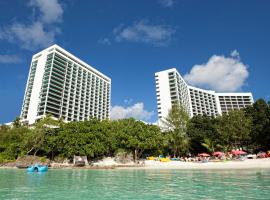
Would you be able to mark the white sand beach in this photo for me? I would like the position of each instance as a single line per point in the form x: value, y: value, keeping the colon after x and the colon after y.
x: 110, y: 163
x: 263, y: 163
x: 246, y: 164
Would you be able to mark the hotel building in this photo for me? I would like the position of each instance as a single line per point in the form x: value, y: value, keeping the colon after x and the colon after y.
x: 63, y: 86
x: 172, y: 88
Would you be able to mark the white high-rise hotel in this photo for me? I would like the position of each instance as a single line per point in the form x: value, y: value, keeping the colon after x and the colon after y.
x: 171, y: 87
x: 62, y: 85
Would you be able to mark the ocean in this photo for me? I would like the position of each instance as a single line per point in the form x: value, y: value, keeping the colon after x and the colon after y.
x: 132, y: 184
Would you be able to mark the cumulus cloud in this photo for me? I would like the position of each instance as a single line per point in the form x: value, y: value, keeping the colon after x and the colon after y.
x: 30, y: 36
x: 144, y: 32
x: 166, y: 3
x: 136, y: 111
x: 50, y: 10
x: 220, y: 73
x: 40, y: 31
x: 10, y: 59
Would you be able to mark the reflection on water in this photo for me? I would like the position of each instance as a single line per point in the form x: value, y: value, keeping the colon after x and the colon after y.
x: 135, y: 184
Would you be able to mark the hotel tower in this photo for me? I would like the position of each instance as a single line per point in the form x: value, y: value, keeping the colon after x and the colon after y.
x: 63, y: 86
x: 172, y: 88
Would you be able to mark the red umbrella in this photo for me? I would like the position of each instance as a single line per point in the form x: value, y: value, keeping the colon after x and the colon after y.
x: 238, y: 152
x: 204, y: 154
x: 218, y: 153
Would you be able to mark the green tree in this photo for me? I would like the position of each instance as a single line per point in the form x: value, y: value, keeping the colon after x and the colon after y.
x: 234, y: 128
x: 176, y: 124
x: 86, y: 138
x: 35, y: 139
x: 260, y: 132
x: 137, y: 137
x: 202, y: 131
x: 11, y: 145
x: 212, y: 146
x: 17, y: 123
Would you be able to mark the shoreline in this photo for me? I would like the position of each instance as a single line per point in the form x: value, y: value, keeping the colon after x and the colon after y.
x: 247, y: 164
x: 175, y: 165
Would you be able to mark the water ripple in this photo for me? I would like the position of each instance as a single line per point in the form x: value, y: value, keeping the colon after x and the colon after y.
x: 135, y: 184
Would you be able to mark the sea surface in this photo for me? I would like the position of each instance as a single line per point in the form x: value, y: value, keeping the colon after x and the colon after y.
x: 132, y: 184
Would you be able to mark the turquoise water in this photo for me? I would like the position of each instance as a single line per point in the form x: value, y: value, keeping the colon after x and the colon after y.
x: 135, y: 184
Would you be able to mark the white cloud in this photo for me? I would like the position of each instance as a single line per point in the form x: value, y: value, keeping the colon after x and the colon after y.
x: 30, y: 36
x: 144, y: 32
x: 166, y: 3
x: 220, y: 73
x: 50, y: 10
x: 235, y: 54
x: 136, y: 111
x: 41, y: 31
x: 105, y: 41
x: 128, y: 101
x: 10, y: 59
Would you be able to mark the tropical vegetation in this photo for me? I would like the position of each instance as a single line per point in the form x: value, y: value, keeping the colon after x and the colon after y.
x: 248, y: 128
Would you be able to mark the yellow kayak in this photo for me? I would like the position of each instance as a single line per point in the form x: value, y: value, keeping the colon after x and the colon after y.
x: 164, y: 160
x: 150, y: 158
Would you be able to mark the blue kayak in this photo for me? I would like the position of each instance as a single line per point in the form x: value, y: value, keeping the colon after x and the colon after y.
x: 37, y: 168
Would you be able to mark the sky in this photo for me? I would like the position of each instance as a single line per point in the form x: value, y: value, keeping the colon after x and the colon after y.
x: 222, y: 45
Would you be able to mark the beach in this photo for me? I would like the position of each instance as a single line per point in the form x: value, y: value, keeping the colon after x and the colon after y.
x: 110, y: 163
x: 263, y: 163
x: 246, y: 164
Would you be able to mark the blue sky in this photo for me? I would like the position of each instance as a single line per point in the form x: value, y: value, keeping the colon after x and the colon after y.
x: 221, y: 45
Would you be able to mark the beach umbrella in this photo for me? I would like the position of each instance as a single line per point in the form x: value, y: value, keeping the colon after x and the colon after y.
x: 218, y: 153
x: 203, y: 154
x: 238, y: 152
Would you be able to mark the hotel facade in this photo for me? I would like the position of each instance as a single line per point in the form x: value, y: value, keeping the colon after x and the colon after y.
x: 172, y: 88
x: 63, y: 86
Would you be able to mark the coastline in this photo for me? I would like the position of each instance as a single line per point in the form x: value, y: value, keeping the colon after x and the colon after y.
x: 246, y: 164
x: 150, y: 164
